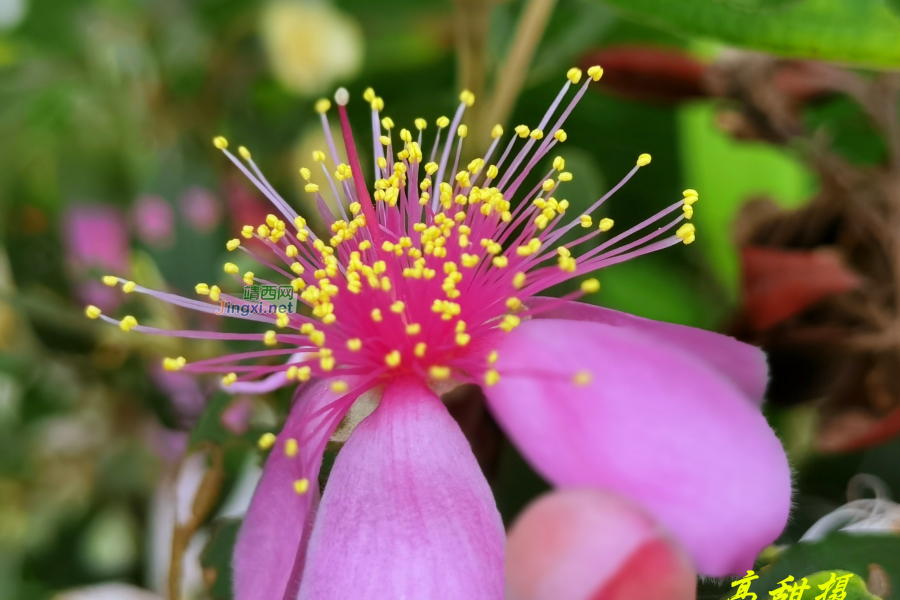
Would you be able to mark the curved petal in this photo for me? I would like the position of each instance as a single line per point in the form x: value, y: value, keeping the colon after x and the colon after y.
x: 270, y: 544
x: 744, y: 364
x: 653, y: 424
x: 406, y: 512
x: 584, y: 544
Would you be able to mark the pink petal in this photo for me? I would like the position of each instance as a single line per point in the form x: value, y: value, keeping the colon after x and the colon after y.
x: 744, y: 364
x: 592, y: 545
x: 406, y: 512
x: 654, y: 424
x: 271, y: 540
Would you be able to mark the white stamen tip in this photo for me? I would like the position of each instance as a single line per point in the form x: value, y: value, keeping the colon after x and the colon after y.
x: 342, y: 96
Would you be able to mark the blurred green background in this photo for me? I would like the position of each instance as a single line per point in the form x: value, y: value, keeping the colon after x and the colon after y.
x: 107, y: 110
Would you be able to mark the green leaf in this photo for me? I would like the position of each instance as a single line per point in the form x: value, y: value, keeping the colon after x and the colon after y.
x: 216, y: 557
x: 863, y: 32
x: 839, y: 553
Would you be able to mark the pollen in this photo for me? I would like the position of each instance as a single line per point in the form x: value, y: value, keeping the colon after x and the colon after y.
x: 606, y: 224
x: 491, y: 377
x: 413, y: 329
x: 339, y: 387
x: 128, y: 323
x: 291, y: 447
x: 229, y: 379
x: 92, y: 312
x: 590, y: 286
x: 392, y: 359
x: 301, y: 486
x: 354, y: 344
x: 643, y: 160
x: 686, y: 233
x: 110, y: 280
x: 174, y: 364
x: 581, y: 378
x: 420, y: 349
x: 376, y: 315
x: 266, y: 441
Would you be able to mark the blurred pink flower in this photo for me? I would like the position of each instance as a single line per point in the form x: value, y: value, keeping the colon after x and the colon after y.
x: 418, y: 292
x: 96, y: 238
x: 584, y: 544
x: 154, y: 221
x: 201, y: 209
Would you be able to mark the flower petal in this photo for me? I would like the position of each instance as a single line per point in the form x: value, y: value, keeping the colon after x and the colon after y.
x: 654, y: 424
x: 587, y: 544
x: 744, y: 364
x: 406, y: 512
x: 271, y: 538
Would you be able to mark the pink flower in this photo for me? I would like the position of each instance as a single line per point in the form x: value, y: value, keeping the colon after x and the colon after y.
x: 437, y: 283
x: 154, y: 221
x: 201, y: 209
x: 96, y: 237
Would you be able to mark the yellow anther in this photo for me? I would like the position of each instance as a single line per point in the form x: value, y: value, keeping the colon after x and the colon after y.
x: 305, y: 173
x: 318, y: 156
x: 385, y: 140
x: 442, y: 122
x: 354, y: 344
x: 311, y: 188
x: 413, y: 329
x: 174, y: 364
x: 574, y: 74
x: 326, y: 363
x: 491, y: 377
x: 398, y: 306
x: 687, y: 233
x: 469, y: 260
x: 500, y: 261
x: 559, y: 163
x: 467, y: 97
x: 291, y: 447
x: 376, y: 315
x: 231, y: 268
x: 229, y: 379
x: 128, y: 323
x: 269, y: 338
x: 245, y: 154
x: 304, y: 373
x: 322, y: 105
x: 560, y: 135
x: 92, y: 312
x: 128, y: 287
x: 420, y: 349
x: 537, y: 134
x: 606, y: 224
x: 317, y: 338
x: 266, y: 441
x: 392, y: 359
x: 202, y: 289
x: 247, y: 232
x: 462, y: 339
x: 301, y: 486
x: 492, y: 357
x: 307, y: 328
x: 440, y: 373
x: 339, y: 387
x: 282, y: 320
x: 462, y: 131
x: 586, y: 221
x: 590, y: 286
x: 382, y: 163
x: 214, y: 292
x: 509, y: 323
x: 519, y: 281
x: 492, y: 172
x: 548, y: 185
x: 220, y: 142
x: 377, y: 103
x: 565, y: 176
x: 263, y: 231
x: 595, y: 72
x: 513, y: 303
x: 110, y: 280
x: 421, y: 124
x: 248, y: 278
x: 291, y: 373
x: 688, y: 211
x: 690, y: 198
x: 387, y: 123
x: 581, y: 378
x: 522, y: 131
x: 369, y: 94
x: 643, y: 160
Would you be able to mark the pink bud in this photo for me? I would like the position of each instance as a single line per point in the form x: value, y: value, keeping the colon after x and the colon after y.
x: 154, y: 221
x: 593, y: 545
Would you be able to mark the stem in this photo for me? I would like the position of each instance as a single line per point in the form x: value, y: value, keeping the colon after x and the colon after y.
x: 512, y: 73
